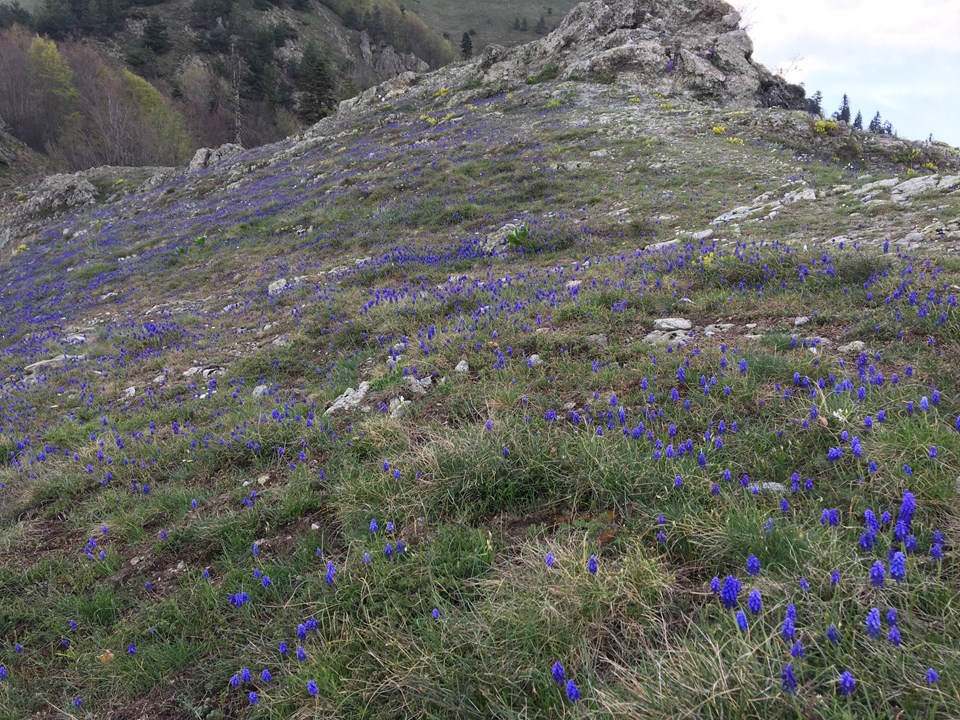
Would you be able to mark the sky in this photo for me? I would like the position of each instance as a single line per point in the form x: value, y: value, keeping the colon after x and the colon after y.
x: 901, y: 57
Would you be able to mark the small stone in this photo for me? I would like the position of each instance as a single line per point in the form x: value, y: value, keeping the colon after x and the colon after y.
x: 462, y: 367
x: 261, y: 390
x: 853, y: 347
x: 670, y: 324
x: 802, y: 320
x: 599, y: 340
x: 535, y: 360
x: 770, y: 487
x: 130, y: 392
x: 276, y: 287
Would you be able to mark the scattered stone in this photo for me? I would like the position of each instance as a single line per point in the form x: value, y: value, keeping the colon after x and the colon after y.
x: 277, y: 287
x: 663, y: 245
x: 574, y: 285
x: 666, y: 337
x: 77, y: 339
x: 498, y: 240
x: 702, y: 235
x: 261, y: 391
x: 802, y: 320
x: 418, y: 387
x: 534, y: 360
x: 598, y: 341
x: 770, y: 487
x: 208, y: 157
x: 36, y: 369
x: 398, y: 406
x: 130, y: 392
x: 462, y: 367
x: 857, y: 346
x: 350, y: 399
x: 914, y: 186
x: 670, y: 324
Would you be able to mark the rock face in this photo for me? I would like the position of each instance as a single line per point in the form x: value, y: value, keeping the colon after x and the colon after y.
x: 208, y: 157
x: 386, y: 61
x: 694, y: 48
x: 60, y: 192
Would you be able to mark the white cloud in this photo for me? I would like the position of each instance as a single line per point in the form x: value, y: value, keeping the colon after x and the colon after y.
x: 901, y: 58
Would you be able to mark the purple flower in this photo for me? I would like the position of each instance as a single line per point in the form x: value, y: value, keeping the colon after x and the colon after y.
x: 592, y: 565
x: 312, y: 688
x: 754, y: 602
x: 558, y: 675
x: 894, y: 635
x: 729, y: 592
x: 933, y: 676
x: 832, y: 635
x: 846, y: 683
x: 573, y: 693
x: 898, y: 566
x: 742, y: 620
x: 789, y: 679
x: 877, y: 573
x: 753, y: 565
x: 873, y: 622
x: 549, y: 559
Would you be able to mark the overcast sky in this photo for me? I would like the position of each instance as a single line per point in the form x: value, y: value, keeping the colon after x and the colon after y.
x: 901, y: 57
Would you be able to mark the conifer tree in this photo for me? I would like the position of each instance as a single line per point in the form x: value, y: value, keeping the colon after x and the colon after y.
x: 843, y: 114
x: 317, y: 84
x: 466, y: 46
x: 858, y: 121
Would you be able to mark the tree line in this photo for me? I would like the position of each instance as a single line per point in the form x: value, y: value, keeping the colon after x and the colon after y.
x: 843, y: 114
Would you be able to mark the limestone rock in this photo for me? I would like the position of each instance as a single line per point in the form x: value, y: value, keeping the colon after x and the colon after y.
x: 208, y: 157
x: 670, y: 324
x: 350, y: 399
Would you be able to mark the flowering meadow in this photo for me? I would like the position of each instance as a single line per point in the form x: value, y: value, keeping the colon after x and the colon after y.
x: 582, y: 470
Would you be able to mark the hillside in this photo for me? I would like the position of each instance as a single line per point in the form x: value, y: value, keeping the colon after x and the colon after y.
x: 560, y: 383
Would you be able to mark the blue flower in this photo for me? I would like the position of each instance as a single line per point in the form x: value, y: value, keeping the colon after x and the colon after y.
x: 235, y: 680
x: 933, y: 676
x: 873, y: 622
x: 877, y: 573
x: 742, y: 620
x: 253, y: 698
x: 331, y: 572
x: 894, y: 635
x: 373, y: 526
x: 898, y: 566
x: 435, y: 613
x: 312, y: 688
x: 549, y: 559
x: 266, y: 676
x: 558, y: 675
x: 833, y: 635
x: 797, y: 650
x: 715, y: 585
x: 846, y: 683
x: 754, y: 602
x: 729, y: 592
x: 804, y: 585
x: 283, y: 647
x: 301, y: 653
x: 592, y: 565
x: 573, y: 693
x: 789, y: 679
x: 753, y: 565
x: 245, y: 674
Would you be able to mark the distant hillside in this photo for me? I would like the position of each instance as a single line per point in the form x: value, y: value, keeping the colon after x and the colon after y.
x: 247, y: 70
x: 488, y: 22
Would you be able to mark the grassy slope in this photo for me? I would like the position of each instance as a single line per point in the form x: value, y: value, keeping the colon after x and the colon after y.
x: 478, y: 480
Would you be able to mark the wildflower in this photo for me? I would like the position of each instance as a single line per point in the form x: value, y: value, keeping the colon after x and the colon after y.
x: 331, y: 572
x: 283, y: 647
x: 753, y: 565
x: 549, y: 559
x: 933, y: 676
x: 245, y: 674
x: 266, y: 676
x: 742, y: 620
x: 894, y: 636
x: 834, y: 578
x: 573, y: 693
x: 715, y: 585
x: 131, y: 649
x: 253, y: 697
x: 873, y: 622
x: 847, y: 683
x: 77, y: 702
x: 936, y: 551
x: 755, y: 602
x: 373, y: 526
x: 789, y: 679
x: 235, y: 680
x: 804, y: 585
x: 4, y: 674
x: 729, y: 592
x: 898, y: 566
x: 558, y: 675
x: 388, y: 551
x: 312, y: 688
x: 592, y: 565
x: 435, y: 613
x: 832, y: 635
x: 797, y: 650
x: 877, y: 573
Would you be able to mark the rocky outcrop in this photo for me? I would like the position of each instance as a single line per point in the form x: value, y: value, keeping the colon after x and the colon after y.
x: 208, y: 157
x: 58, y: 193
x: 385, y: 61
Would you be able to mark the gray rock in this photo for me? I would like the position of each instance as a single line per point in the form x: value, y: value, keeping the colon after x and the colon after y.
x: 914, y: 186
x: 498, y: 240
x: 462, y: 367
x: 261, y: 391
x: 534, y: 360
x: 58, y: 193
x: 702, y: 235
x: 350, y: 399
x: 665, y: 245
x: 857, y: 346
x: 130, y: 392
x: 208, y: 157
x: 767, y: 487
x: 277, y: 287
x: 802, y: 320
x: 398, y: 406
x: 672, y: 324
x: 598, y: 341
x: 666, y: 337
x: 34, y: 370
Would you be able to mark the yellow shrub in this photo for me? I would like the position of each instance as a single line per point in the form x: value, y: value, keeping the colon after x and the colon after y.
x: 824, y: 127
x: 719, y: 129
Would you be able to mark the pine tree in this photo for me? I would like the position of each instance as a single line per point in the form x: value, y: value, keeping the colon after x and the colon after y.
x: 541, y: 28
x: 858, y: 121
x: 843, y: 114
x: 815, y: 104
x: 155, y: 35
x: 876, y: 125
x: 317, y: 84
x: 516, y: 24
x: 466, y: 46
